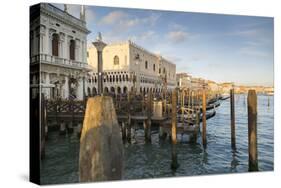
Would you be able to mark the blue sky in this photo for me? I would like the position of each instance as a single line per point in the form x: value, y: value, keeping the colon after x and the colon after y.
x: 218, y: 47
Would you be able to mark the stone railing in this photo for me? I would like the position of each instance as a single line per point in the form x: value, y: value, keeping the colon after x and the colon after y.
x: 45, y: 58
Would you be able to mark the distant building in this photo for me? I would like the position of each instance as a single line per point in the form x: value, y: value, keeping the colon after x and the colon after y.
x: 225, y: 87
x: 58, y: 45
x: 184, y: 80
x: 213, y: 86
x: 198, y: 84
x: 127, y: 66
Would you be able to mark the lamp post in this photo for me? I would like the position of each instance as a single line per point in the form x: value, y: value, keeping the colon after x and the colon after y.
x: 99, y: 44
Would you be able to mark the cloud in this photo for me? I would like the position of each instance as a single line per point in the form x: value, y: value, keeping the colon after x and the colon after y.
x: 122, y: 21
x: 90, y: 15
x: 175, y: 26
x: 113, y: 17
x: 254, y: 52
x: 246, y: 33
x: 177, y: 36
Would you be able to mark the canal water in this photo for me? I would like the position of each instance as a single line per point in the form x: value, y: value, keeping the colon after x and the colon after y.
x: 153, y: 160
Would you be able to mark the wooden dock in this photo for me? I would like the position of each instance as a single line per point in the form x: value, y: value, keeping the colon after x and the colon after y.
x: 142, y: 109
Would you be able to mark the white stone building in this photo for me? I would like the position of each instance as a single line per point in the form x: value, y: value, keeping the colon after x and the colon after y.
x: 127, y: 66
x: 58, y: 45
x: 198, y: 83
x: 184, y: 80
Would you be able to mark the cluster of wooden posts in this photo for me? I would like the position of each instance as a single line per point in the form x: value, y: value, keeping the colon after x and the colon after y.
x: 178, y: 112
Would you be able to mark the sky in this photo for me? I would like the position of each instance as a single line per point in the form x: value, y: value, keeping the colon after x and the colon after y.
x: 222, y: 48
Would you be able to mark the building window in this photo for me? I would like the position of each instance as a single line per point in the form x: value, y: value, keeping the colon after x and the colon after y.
x: 55, y: 44
x: 146, y: 64
x: 154, y: 67
x: 87, y: 54
x: 164, y: 70
x: 72, y: 50
x: 116, y: 60
x: 159, y: 70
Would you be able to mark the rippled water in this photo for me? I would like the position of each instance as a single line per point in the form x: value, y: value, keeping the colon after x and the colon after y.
x: 154, y: 160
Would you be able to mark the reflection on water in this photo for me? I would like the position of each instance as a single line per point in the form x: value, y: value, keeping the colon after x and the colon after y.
x: 153, y: 160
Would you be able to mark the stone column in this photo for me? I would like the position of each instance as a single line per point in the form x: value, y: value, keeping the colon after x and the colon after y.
x: 77, y: 46
x: 61, y: 45
x: 47, y: 42
x: 47, y: 82
x: 80, y: 89
x: 82, y: 52
x: 99, y: 44
x: 65, y: 88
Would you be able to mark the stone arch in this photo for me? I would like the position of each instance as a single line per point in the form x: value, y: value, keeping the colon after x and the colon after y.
x: 112, y: 90
x: 127, y: 77
x: 125, y: 89
x: 94, y: 91
x: 119, y: 91
x: 89, y: 91
x: 106, y: 90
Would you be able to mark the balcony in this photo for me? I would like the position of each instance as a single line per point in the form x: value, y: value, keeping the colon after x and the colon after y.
x: 58, y: 61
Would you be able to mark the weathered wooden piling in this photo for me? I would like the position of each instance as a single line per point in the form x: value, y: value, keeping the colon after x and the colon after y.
x: 129, y: 121
x: 232, y: 114
x: 70, y: 127
x: 204, y: 124
x: 252, y: 130
x: 62, y: 128
x: 268, y: 101
x: 174, y: 164
x: 79, y: 130
x: 123, y: 128
x: 43, y: 126
x: 147, y: 122
x: 101, y: 148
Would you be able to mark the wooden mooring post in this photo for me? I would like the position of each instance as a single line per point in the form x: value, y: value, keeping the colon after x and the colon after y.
x: 123, y: 128
x: 204, y: 123
x: 129, y: 122
x: 232, y: 114
x: 174, y: 164
x: 147, y: 122
x: 252, y: 131
x: 101, y: 148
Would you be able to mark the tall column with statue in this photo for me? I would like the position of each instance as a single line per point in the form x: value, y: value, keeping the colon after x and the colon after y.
x: 99, y: 44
